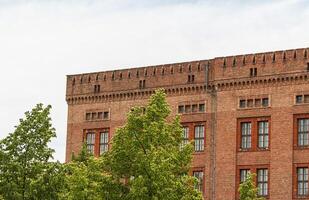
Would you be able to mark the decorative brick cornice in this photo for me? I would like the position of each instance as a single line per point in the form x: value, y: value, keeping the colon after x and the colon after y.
x: 264, y: 81
x: 213, y: 86
x: 136, y: 94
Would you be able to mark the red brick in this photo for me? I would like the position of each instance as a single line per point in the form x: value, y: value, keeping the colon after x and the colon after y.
x: 280, y: 79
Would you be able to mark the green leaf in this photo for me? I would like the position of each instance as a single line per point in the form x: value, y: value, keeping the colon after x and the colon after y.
x: 146, y: 155
x: 25, y: 155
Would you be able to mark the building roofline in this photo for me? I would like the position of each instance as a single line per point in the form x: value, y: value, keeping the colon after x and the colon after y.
x: 187, y: 62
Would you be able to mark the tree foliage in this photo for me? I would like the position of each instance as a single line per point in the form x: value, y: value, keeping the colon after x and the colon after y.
x: 24, y: 155
x: 50, y: 183
x: 248, y: 190
x: 146, y: 154
x: 146, y: 161
x: 86, y: 180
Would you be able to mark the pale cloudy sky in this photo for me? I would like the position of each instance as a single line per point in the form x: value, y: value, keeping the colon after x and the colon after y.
x: 41, y: 41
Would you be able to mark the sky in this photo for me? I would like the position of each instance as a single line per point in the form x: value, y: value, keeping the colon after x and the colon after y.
x: 42, y: 41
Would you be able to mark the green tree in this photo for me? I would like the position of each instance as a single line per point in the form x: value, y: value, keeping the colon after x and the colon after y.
x: 86, y: 180
x: 83, y: 156
x: 146, y: 156
x: 248, y: 190
x: 25, y: 155
x: 49, y: 183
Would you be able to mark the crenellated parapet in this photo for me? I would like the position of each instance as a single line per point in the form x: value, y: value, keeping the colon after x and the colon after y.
x: 242, y: 66
x: 138, y: 78
x: 222, y: 73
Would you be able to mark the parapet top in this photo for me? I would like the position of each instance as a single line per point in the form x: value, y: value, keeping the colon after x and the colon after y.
x: 195, y: 66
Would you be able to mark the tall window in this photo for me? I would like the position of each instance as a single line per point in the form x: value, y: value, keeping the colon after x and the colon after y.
x: 200, y: 177
x: 243, y: 174
x: 303, y: 132
x: 199, y: 137
x: 103, y: 142
x: 263, y: 134
x: 185, y: 136
x: 246, y: 135
x: 262, y: 182
x: 302, y: 181
x: 90, y: 139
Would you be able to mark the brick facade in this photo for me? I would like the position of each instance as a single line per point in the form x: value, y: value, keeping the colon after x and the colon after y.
x: 270, y: 86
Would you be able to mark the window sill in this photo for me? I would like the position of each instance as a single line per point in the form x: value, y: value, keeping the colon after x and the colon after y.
x: 97, y: 120
x: 301, y: 104
x: 253, y: 108
x: 198, y: 152
x: 244, y: 150
x: 301, y: 197
x: 254, y: 150
x: 301, y: 147
x: 265, y: 197
x: 263, y: 149
x: 191, y: 113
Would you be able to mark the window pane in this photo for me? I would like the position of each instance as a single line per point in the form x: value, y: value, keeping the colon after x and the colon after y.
x: 265, y: 102
x: 88, y: 116
x: 260, y: 189
x: 185, y: 136
x: 243, y: 174
x: 199, y: 136
x: 299, y: 99
x: 200, y: 177
x: 194, y: 108
x: 306, y: 188
x: 105, y: 115
x: 104, y: 137
x: 185, y: 133
x: 257, y: 102
x: 100, y: 115
x: 188, y: 108
x: 300, y: 189
x: 181, y: 109
x: 242, y: 103
x: 263, y: 134
x: 103, y: 142
x: 262, y: 180
x: 250, y: 103
x: 302, y: 181
x: 90, y: 139
x: 202, y: 107
x: 265, y: 189
x: 303, y: 132
x: 246, y: 135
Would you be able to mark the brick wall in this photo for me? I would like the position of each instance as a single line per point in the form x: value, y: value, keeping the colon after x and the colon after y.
x: 220, y: 83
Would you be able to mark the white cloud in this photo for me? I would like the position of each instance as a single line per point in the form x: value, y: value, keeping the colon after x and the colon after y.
x: 42, y: 41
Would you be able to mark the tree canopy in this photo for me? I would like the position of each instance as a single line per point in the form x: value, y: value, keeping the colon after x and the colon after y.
x: 146, y: 161
x: 146, y: 154
x: 25, y: 155
x: 248, y: 190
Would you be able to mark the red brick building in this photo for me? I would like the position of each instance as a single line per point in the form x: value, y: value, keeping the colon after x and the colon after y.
x: 245, y: 113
